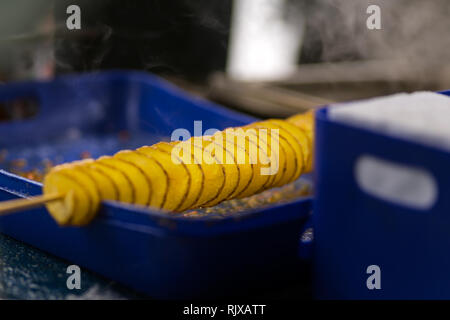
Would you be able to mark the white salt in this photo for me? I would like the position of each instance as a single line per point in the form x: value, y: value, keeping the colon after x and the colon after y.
x: 419, y: 116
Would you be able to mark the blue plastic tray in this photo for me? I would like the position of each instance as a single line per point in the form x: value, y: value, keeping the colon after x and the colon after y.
x: 355, y: 229
x: 155, y: 253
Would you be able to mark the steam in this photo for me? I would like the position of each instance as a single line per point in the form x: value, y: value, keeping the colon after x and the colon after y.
x: 180, y: 37
x: 411, y: 29
x: 192, y: 36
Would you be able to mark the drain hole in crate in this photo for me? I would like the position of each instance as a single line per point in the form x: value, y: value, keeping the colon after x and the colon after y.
x: 18, y: 109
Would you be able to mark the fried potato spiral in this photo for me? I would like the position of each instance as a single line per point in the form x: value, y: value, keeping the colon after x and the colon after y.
x: 181, y: 175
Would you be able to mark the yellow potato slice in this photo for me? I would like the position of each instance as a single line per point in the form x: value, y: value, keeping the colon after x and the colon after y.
x: 298, y: 147
x: 195, y: 170
x: 141, y: 185
x: 276, y: 161
x: 244, y: 168
x: 90, y: 186
x: 294, y: 146
x: 248, y: 139
x: 74, y: 206
x: 121, y: 181
x: 73, y: 170
x: 76, y: 179
x: 214, y: 173
x: 304, y: 121
x: 224, y: 157
x: 181, y: 145
x: 301, y: 138
x: 288, y: 174
x: 153, y: 170
x: 105, y: 185
x: 179, y: 177
x: 283, y: 162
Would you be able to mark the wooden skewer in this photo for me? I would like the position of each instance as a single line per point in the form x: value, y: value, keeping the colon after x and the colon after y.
x: 11, y: 206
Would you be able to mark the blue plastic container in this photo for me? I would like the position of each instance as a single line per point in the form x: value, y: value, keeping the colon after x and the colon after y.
x: 155, y: 253
x: 362, y: 240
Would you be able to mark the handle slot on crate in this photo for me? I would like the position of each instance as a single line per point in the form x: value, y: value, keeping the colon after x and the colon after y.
x: 394, y: 182
x: 18, y: 109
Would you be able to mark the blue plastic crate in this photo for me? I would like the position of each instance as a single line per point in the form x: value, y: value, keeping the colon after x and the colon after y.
x: 155, y: 253
x: 356, y: 229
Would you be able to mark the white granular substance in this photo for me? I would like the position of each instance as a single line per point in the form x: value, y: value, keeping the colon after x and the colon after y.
x: 419, y: 116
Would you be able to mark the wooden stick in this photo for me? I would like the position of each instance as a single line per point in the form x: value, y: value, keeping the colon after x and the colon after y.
x: 11, y: 206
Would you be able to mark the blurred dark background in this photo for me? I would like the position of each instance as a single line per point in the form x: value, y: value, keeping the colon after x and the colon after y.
x: 179, y: 37
x: 197, y: 44
x: 186, y: 38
